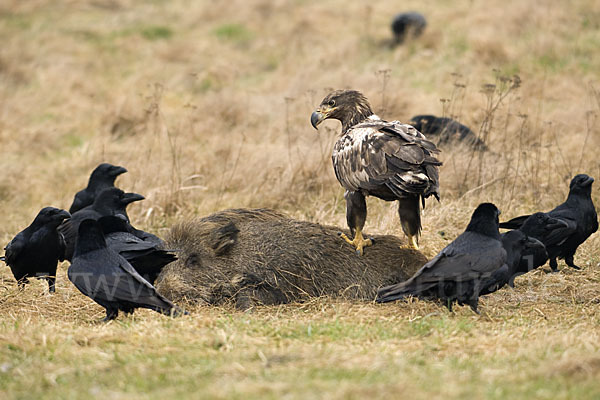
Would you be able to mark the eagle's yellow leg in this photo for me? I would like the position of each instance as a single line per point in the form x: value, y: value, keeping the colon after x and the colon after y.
x: 359, y: 242
x: 413, y: 242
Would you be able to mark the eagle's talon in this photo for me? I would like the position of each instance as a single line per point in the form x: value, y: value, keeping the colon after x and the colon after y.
x: 358, y: 242
x: 413, y: 243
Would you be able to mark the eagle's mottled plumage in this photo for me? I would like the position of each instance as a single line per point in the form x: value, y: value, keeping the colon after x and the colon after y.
x: 389, y: 160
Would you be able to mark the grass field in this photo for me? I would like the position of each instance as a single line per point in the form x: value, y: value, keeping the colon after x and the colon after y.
x: 207, y: 104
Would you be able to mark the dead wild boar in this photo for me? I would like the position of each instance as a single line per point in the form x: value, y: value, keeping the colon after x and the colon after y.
x: 249, y: 257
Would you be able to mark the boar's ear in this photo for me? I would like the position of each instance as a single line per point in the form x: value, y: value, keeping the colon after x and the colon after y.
x: 222, y: 239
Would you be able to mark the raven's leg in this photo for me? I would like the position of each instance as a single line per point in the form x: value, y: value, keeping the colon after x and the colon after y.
x: 554, y: 264
x: 409, y: 211
x: 473, y: 303
x: 356, y: 215
x: 569, y: 262
x: 111, y: 313
x: 51, y: 283
x: 129, y: 310
x: 21, y: 282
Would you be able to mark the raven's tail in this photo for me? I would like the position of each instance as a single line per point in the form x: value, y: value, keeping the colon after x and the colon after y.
x: 401, y: 290
x: 386, y: 298
x: 171, y: 311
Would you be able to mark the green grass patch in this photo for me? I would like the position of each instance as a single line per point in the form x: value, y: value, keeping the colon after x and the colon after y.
x: 236, y: 33
x: 157, y: 33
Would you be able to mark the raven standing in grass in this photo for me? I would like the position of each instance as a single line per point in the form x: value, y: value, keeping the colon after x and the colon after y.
x: 101, y: 178
x: 146, y: 253
x: 111, y: 201
x: 577, y: 212
x: 516, y: 244
x: 408, y: 25
x: 36, y: 250
x: 107, y: 278
x: 459, y: 271
x: 373, y: 157
x: 446, y: 130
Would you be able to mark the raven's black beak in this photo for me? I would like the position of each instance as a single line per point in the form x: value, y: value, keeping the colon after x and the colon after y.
x: 64, y: 214
x: 588, y: 181
x: 131, y: 197
x: 533, y: 243
x: 555, y: 223
x: 116, y: 171
x: 316, y: 118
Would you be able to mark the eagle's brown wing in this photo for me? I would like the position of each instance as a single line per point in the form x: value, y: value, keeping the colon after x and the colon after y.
x: 377, y: 155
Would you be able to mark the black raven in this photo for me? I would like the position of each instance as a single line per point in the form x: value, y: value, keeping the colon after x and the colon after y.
x: 550, y: 231
x: 407, y: 25
x: 107, y: 278
x: 446, y: 130
x: 516, y: 244
x: 111, y: 201
x: 147, y: 254
x: 458, y: 272
x: 101, y: 178
x: 577, y: 212
x: 36, y: 250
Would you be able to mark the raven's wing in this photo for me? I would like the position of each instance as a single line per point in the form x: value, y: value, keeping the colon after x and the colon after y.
x: 497, y: 281
x: 143, y: 255
x: 514, y: 223
x: 470, y: 256
x: 556, y: 236
x: 80, y: 201
x: 124, y: 241
x: 13, y: 249
x: 378, y: 153
x: 68, y: 229
x: 149, y: 238
x: 107, y: 277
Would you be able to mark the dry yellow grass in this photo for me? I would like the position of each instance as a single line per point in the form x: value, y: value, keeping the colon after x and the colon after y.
x: 207, y: 104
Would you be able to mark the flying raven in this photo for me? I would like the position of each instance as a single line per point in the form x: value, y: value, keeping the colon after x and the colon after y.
x: 107, y: 278
x: 147, y: 255
x: 101, y: 178
x: 388, y: 160
x: 577, y: 212
x: 459, y: 271
x: 36, y: 250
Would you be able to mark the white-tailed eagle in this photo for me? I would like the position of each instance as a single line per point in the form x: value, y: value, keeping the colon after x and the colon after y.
x: 373, y: 157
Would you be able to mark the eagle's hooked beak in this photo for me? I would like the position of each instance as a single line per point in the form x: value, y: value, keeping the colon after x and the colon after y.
x: 316, y: 118
x: 322, y: 113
